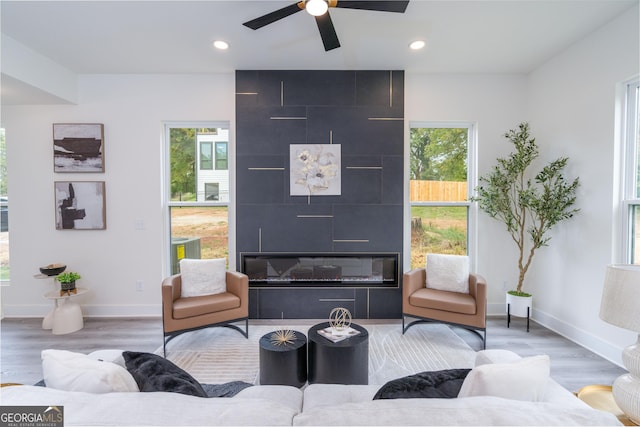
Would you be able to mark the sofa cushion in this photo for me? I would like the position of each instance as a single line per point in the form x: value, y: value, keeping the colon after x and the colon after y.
x: 454, y: 302
x: 229, y: 389
x: 196, y: 306
x: 203, y: 276
x: 472, y: 411
x: 431, y: 384
x: 448, y: 272
x: 66, y: 370
x: 159, y: 409
x: 524, y: 379
x: 155, y: 373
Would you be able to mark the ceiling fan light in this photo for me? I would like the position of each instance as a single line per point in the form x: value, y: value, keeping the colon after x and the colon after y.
x: 316, y: 7
x: 220, y: 44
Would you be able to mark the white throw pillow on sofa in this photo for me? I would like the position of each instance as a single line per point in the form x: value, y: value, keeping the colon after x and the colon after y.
x: 109, y: 355
x: 69, y: 371
x: 203, y: 276
x: 525, y: 379
x: 448, y: 272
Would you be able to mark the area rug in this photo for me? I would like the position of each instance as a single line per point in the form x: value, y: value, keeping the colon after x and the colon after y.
x: 219, y: 355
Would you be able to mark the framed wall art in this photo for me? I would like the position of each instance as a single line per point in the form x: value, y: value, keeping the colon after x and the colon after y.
x: 80, y: 205
x: 315, y: 169
x: 78, y: 147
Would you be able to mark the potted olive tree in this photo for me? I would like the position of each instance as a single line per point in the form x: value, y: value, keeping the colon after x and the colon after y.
x: 529, y: 205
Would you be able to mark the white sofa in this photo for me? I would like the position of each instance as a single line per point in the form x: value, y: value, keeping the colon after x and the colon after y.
x: 331, y: 404
x: 316, y: 404
x: 353, y: 406
x: 271, y: 405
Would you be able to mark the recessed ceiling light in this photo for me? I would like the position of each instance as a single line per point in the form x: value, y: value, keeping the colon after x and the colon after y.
x: 219, y: 44
x: 416, y: 45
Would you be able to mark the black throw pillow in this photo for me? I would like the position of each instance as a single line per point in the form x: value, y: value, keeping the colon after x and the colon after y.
x: 155, y: 373
x: 229, y: 389
x: 431, y: 384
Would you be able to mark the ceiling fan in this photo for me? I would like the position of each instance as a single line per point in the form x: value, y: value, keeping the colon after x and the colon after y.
x: 319, y: 9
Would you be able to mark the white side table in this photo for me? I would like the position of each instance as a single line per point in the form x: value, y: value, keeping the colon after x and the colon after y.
x: 66, y: 316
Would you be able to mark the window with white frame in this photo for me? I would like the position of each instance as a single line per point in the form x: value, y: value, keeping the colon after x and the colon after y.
x: 4, y: 211
x: 206, y: 155
x: 196, y: 195
x: 631, y: 180
x: 441, y: 178
x: 222, y: 161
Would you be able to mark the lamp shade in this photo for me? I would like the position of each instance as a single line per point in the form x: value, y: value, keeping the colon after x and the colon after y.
x: 620, y: 304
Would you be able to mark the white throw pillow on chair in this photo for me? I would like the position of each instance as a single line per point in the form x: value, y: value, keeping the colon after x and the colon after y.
x: 448, y: 272
x: 203, y: 276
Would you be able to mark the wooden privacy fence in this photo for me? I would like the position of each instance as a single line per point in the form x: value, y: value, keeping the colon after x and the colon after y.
x: 437, y: 191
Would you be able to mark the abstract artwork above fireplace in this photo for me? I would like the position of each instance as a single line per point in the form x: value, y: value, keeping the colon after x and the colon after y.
x: 315, y: 169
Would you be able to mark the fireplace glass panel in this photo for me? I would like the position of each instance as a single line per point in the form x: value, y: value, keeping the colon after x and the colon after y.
x: 349, y: 270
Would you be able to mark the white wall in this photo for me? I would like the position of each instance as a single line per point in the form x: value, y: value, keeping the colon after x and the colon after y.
x: 494, y: 103
x: 132, y: 109
x: 571, y: 108
x: 569, y: 102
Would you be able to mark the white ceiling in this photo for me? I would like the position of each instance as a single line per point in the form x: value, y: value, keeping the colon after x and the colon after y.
x: 476, y: 36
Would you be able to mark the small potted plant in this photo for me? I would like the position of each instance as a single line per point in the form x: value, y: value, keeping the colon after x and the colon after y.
x: 528, y: 205
x: 68, y: 281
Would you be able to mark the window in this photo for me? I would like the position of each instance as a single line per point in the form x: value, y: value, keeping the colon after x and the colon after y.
x: 197, y: 198
x: 221, y: 156
x: 206, y: 155
x: 440, y: 181
x: 211, y: 191
x: 631, y: 179
x: 4, y: 211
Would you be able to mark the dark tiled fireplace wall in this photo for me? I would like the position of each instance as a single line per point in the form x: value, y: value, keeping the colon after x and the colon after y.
x: 363, y: 111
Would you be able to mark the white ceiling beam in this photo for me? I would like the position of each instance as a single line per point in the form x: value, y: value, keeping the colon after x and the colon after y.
x: 24, y: 69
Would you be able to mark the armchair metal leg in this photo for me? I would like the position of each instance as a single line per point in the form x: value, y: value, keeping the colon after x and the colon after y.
x: 171, y: 335
x: 483, y: 335
x: 245, y: 333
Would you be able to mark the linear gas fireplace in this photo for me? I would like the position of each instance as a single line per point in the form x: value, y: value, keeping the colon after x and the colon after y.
x: 345, y: 270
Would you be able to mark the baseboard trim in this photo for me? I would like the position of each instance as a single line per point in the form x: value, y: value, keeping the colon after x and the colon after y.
x: 88, y: 310
x: 496, y: 309
x: 579, y: 336
x: 596, y: 344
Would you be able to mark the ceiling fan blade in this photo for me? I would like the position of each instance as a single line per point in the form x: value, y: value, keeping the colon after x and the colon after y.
x: 384, y: 6
x: 269, y: 18
x: 327, y: 32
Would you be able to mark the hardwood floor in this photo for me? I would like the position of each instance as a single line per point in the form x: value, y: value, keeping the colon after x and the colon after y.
x: 22, y: 340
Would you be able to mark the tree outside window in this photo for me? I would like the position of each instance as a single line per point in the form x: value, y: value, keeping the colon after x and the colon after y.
x: 198, y: 207
x: 438, y: 191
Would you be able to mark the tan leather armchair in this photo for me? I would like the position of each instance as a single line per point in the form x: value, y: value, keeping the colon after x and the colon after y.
x: 432, y: 305
x: 180, y: 315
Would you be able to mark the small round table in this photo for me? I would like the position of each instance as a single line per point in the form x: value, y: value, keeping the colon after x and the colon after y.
x: 343, y: 362
x: 66, y: 316
x: 283, y: 364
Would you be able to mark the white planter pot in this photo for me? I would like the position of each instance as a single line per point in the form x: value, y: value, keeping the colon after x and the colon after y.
x: 517, y: 306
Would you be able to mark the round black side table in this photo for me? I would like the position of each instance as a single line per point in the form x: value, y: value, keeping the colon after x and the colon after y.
x: 343, y: 362
x: 284, y: 364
